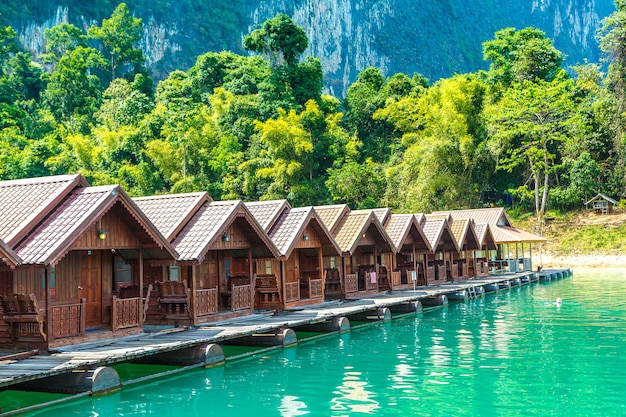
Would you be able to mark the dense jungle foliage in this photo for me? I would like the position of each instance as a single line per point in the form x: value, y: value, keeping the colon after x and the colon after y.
x: 524, y: 132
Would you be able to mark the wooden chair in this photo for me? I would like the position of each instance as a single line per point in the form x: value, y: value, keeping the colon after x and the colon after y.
x: 24, y: 318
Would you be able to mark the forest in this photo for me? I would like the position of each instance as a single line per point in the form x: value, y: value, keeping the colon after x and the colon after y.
x: 526, y: 133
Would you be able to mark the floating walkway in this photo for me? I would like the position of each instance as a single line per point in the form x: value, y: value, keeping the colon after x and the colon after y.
x: 85, y: 368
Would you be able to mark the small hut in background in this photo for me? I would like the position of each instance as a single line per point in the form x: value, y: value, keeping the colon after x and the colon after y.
x: 601, y: 204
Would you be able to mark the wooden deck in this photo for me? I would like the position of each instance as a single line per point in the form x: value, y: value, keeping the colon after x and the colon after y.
x: 108, y: 352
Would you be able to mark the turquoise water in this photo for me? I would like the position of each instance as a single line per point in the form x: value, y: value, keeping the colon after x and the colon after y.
x: 514, y: 353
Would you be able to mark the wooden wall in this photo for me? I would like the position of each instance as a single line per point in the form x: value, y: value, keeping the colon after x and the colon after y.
x: 118, y: 235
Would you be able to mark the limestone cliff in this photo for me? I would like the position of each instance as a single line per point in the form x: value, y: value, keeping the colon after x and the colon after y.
x: 436, y: 38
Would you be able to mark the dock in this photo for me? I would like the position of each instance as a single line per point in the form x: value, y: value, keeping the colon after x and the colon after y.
x: 85, y: 368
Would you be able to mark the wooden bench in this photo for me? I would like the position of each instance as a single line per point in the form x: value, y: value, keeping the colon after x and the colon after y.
x: 333, y: 282
x: 267, y: 292
x: 24, y: 318
x: 173, y: 298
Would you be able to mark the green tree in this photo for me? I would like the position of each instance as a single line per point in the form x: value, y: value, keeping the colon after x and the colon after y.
x: 527, y: 128
x: 518, y: 55
x: 62, y: 39
x: 279, y: 39
x: 119, y: 35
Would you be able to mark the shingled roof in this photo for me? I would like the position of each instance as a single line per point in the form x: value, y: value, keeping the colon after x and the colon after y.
x: 331, y: 215
x: 465, y: 234
x: 485, y: 237
x: 8, y: 256
x: 354, y: 225
x: 291, y: 224
x: 171, y: 212
x: 50, y: 240
x: 437, y: 231
x: 503, y: 231
x: 268, y: 212
x: 382, y: 214
x: 400, y: 226
x: 208, y: 224
x: 23, y: 203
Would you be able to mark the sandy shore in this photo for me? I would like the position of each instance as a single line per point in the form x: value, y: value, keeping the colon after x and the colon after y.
x: 553, y: 261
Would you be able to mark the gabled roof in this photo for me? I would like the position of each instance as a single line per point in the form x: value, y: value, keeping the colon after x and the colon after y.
x: 23, y: 203
x: 267, y: 212
x: 503, y: 231
x: 465, y: 234
x: 357, y: 224
x: 331, y: 215
x: 400, y: 226
x: 208, y: 224
x: 51, y: 239
x: 171, y: 212
x: 601, y: 196
x: 288, y: 229
x: 438, y: 233
x: 485, y: 236
x: 8, y: 256
x: 382, y: 214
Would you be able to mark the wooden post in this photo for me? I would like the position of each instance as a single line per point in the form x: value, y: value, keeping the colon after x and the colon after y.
x: 140, y: 305
x: 49, y: 322
x: 320, y: 263
x: 193, y: 284
x: 252, y: 277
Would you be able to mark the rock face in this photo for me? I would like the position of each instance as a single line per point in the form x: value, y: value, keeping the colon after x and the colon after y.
x: 432, y: 37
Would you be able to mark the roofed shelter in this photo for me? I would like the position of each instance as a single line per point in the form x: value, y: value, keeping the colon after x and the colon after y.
x: 302, y: 241
x: 70, y: 258
x: 439, y: 234
x: 217, y: 243
x: 480, y: 265
x: 465, y: 234
x: 412, y: 247
x: 514, y: 246
x: 366, y: 248
x: 601, y: 204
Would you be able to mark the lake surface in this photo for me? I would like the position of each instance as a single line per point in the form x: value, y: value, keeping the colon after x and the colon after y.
x: 514, y: 353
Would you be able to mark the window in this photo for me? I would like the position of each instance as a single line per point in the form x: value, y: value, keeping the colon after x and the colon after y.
x: 268, y: 267
x: 333, y: 262
x: 173, y: 273
x: 52, y: 278
x: 123, y: 271
x: 227, y: 268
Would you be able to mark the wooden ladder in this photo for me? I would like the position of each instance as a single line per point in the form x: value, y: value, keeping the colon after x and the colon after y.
x: 471, y: 292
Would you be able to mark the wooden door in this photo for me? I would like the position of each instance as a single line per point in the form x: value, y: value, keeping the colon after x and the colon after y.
x: 90, y: 287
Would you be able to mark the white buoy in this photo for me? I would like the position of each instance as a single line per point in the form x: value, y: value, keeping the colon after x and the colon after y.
x: 559, y: 301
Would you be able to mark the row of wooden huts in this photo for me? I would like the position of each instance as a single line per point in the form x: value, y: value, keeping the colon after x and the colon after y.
x: 80, y: 263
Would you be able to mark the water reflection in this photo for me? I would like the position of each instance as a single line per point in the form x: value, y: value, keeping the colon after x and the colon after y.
x: 353, y: 395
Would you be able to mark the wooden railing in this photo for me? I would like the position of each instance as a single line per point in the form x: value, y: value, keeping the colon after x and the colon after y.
x: 125, y: 313
x: 315, y: 291
x: 396, y: 278
x: 369, y: 285
x: 67, y: 320
x: 292, y: 291
x: 352, y: 283
x: 242, y: 297
x: 206, y: 302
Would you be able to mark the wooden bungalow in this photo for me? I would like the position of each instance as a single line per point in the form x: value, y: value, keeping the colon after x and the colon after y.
x: 514, y: 246
x: 464, y: 233
x: 302, y: 241
x: 601, y: 204
x: 367, y: 251
x: 217, y: 243
x: 437, y: 230
x: 413, y: 247
x: 480, y: 265
x: 76, y: 246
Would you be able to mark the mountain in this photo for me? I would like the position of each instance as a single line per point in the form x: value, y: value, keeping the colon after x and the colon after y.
x: 435, y: 38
